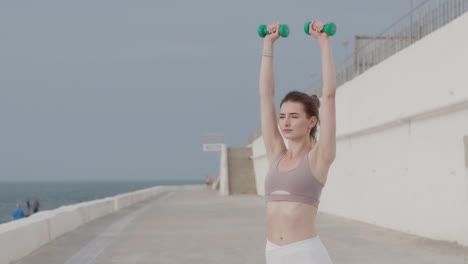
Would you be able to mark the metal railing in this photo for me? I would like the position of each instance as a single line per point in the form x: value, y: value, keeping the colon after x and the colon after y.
x: 421, y: 20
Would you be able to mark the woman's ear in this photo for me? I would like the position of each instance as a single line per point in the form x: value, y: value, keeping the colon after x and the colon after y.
x: 313, y: 122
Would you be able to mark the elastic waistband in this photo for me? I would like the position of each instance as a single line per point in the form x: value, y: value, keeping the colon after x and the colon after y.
x: 270, y: 245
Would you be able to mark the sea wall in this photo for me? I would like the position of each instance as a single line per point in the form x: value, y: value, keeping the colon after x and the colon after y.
x: 21, y: 237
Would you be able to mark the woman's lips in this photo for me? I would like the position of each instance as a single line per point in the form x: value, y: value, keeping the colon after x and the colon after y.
x: 287, y: 130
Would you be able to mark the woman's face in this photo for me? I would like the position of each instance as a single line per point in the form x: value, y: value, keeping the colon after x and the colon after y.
x: 293, y: 121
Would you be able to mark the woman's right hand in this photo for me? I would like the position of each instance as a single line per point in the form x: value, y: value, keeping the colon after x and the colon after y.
x: 315, y: 29
x: 274, y: 32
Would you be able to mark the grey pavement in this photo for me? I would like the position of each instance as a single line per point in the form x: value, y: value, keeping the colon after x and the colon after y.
x: 200, y: 226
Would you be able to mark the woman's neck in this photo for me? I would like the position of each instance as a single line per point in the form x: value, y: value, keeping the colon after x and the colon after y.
x: 298, y: 148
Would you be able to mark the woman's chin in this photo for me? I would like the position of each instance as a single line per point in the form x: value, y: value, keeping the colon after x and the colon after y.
x: 292, y: 137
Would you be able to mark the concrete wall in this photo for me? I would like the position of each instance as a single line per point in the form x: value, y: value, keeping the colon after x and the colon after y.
x: 223, y: 171
x: 240, y: 170
x: 45, y: 226
x: 400, y: 141
x: 260, y: 164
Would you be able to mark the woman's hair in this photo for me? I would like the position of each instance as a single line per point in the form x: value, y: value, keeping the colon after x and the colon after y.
x: 311, y: 107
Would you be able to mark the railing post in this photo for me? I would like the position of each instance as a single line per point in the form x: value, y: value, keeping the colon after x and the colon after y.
x: 429, y: 21
x: 411, y: 22
x: 446, y: 12
x: 450, y: 10
x: 356, y: 68
x: 373, y: 56
x: 438, y: 14
x: 460, y: 7
x: 419, y: 25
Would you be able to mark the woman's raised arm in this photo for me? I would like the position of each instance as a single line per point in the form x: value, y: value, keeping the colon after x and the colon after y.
x: 326, y: 145
x: 271, y: 135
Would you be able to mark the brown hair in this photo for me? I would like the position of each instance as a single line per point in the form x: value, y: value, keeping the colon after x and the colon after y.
x: 311, y: 107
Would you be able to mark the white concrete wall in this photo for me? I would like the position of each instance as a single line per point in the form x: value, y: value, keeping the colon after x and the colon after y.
x: 223, y: 171
x: 45, y: 226
x: 400, y: 153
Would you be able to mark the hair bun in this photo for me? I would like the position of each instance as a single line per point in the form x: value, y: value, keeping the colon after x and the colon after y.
x: 316, y: 100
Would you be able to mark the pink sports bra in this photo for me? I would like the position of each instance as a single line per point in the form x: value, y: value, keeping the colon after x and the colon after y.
x: 297, y: 185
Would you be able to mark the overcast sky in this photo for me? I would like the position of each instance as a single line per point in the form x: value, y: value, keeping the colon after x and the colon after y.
x: 126, y: 90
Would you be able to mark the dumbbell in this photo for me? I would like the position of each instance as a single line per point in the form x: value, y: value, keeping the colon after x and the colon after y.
x: 283, y: 31
x: 329, y: 28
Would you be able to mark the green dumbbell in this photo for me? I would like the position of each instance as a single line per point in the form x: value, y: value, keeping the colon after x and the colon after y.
x: 283, y: 31
x: 329, y: 28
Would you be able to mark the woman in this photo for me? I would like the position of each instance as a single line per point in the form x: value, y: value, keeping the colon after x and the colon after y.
x: 298, y: 174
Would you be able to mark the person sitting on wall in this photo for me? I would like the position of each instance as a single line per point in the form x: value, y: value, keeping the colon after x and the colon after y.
x: 209, y: 181
x: 28, y: 208
x: 17, y: 213
x: 36, y: 206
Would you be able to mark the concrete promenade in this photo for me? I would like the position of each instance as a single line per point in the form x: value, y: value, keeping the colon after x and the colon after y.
x: 199, y: 226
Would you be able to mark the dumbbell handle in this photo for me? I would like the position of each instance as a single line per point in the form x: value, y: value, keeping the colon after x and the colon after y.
x: 329, y: 28
x: 283, y: 31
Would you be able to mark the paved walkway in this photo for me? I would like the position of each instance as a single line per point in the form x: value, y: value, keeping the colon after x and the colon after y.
x: 200, y: 226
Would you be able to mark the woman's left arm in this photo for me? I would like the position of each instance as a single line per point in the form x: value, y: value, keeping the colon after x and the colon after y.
x: 326, y: 145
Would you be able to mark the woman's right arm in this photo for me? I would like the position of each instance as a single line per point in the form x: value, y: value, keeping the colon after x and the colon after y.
x: 272, y: 138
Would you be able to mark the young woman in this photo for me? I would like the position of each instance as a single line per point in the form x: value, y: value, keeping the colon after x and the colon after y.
x: 297, y: 174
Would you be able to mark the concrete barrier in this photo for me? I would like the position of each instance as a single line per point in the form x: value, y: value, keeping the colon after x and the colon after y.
x: 91, y: 210
x: 64, y: 220
x: 3, y: 252
x: 21, y: 237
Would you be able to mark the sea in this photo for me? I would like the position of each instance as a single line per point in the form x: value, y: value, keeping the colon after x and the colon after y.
x: 53, y: 194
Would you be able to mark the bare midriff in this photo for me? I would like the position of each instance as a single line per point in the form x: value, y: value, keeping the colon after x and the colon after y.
x: 290, y: 222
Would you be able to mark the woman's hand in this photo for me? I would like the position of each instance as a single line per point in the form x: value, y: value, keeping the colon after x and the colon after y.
x: 314, y: 29
x: 274, y: 33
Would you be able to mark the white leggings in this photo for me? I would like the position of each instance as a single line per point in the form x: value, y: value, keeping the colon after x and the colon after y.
x: 308, y: 251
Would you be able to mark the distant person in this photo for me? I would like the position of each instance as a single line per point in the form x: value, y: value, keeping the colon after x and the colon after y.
x: 28, y: 208
x: 18, y: 213
x: 35, y: 206
x: 209, y: 181
x: 297, y: 173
